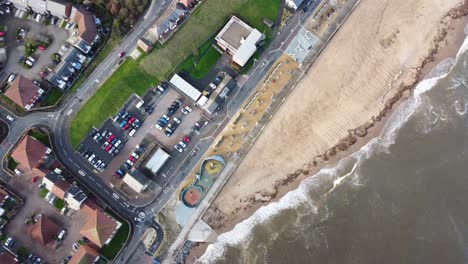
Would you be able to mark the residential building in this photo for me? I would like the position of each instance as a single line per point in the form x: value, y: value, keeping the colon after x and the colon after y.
x: 44, y: 230
x: 85, y: 255
x: 7, y: 256
x: 145, y: 45
x: 163, y: 29
x: 61, y: 10
x: 75, y: 197
x: 30, y: 153
x: 50, y: 179
x: 136, y: 180
x: 100, y: 228
x: 87, y: 30
x: 293, y: 4
x: 239, y: 40
x: 60, y: 188
x: 188, y: 3
x: 24, y: 92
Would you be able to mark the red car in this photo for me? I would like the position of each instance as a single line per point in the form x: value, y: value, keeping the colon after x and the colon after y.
x: 127, y: 126
x: 132, y: 159
x: 35, y: 179
x: 110, y: 138
x: 41, y: 47
x: 121, y: 54
x: 186, y: 139
x: 108, y: 147
x: 131, y: 120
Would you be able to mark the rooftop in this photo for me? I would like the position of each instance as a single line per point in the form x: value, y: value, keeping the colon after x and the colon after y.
x: 22, y: 91
x: 99, y: 228
x: 29, y: 152
x: 84, y: 255
x: 233, y: 33
x: 44, y: 230
x: 86, y: 26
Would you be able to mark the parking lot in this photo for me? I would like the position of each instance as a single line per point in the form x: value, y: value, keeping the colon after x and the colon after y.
x: 33, y: 204
x: 34, y: 31
x: 155, y: 106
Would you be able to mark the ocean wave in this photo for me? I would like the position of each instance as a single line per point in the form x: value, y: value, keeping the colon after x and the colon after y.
x: 330, y: 177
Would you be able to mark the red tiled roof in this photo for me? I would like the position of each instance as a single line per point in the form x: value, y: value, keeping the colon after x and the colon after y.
x: 84, y: 255
x: 29, y: 153
x: 44, y: 230
x: 187, y: 3
x: 86, y: 26
x: 60, y: 188
x: 21, y: 91
x: 89, y: 207
x: 99, y: 227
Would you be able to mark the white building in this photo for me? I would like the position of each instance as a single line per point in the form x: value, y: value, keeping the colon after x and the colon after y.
x: 294, y: 4
x: 75, y: 197
x: 239, y: 40
x: 156, y: 161
x: 185, y: 87
x: 136, y: 181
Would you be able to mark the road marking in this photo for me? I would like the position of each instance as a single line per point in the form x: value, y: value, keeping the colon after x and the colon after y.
x: 50, y: 115
x: 69, y: 112
x: 82, y: 173
x: 97, y: 80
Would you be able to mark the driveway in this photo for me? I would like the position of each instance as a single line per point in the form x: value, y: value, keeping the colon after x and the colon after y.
x: 33, y: 204
x: 35, y: 30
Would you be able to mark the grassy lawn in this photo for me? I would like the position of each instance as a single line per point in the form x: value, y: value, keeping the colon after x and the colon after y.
x: 42, y: 137
x: 110, y: 250
x: 59, y: 204
x: 12, y: 164
x: 52, y: 97
x: 199, y: 66
x: 43, y: 192
x: 203, y: 24
x: 137, y: 76
x: 109, y: 98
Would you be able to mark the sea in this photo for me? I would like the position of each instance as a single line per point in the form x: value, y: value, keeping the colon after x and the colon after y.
x: 402, y: 198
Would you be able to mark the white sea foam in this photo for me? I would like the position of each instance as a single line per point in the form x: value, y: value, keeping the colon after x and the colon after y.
x: 242, y: 232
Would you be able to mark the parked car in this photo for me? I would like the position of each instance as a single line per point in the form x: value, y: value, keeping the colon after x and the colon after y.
x: 104, y: 146
x: 108, y: 135
x: 11, y: 77
x: 110, y: 138
x: 186, y: 110
x: 118, y: 143
x: 9, y: 117
x: 61, y: 235
x: 132, y: 159
x: 35, y: 178
x: 178, y: 148
x: 136, y: 156
x: 9, y: 242
x: 177, y: 120
x: 129, y: 162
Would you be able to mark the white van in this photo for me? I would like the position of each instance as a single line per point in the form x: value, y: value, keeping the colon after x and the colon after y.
x: 139, y: 104
x: 132, y: 132
x: 17, y: 171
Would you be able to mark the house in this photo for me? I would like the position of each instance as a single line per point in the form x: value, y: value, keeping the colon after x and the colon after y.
x: 75, y: 198
x: 188, y: 3
x: 100, y: 228
x: 30, y: 153
x: 50, y: 179
x: 162, y: 30
x: 294, y: 4
x: 7, y: 256
x: 46, y: 7
x: 87, y: 31
x: 136, y: 180
x: 145, y: 45
x: 63, y: 75
x: 44, y: 230
x: 239, y: 40
x: 60, y: 188
x: 85, y: 255
x: 24, y: 92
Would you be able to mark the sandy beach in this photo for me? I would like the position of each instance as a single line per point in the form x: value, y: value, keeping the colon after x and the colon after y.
x: 374, y: 61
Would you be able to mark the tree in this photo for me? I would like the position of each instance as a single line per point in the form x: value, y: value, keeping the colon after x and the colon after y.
x: 23, y: 252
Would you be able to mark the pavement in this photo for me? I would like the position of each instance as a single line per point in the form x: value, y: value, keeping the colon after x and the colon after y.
x: 58, y: 122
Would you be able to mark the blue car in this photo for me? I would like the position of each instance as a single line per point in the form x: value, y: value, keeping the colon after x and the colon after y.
x: 123, y: 123
x: 114, y: 140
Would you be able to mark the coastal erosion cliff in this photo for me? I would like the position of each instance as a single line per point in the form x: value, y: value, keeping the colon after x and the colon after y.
x: 375, y: 60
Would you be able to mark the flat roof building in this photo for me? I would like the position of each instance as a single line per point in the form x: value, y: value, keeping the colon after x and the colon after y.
x: 59, y: 9
x: 136, y: 180
x: 157, y: 160
x: 185, y: 87
x: 239, y: 40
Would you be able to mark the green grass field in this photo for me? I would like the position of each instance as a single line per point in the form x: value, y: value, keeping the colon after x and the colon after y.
x: 127, y: 80
x: 137, y: 77
x: 52, y: 97
x: 203, y: 24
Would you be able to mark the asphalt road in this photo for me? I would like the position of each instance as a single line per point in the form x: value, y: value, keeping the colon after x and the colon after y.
x: 58, y: 123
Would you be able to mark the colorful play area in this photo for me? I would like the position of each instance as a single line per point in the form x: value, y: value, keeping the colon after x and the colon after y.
x: 210, y: 169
